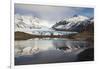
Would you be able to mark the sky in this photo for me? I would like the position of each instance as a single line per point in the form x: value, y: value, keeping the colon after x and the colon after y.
x: 52, y: 14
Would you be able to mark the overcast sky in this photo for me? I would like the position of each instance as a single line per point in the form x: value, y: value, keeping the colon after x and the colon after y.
x: 52, y: 13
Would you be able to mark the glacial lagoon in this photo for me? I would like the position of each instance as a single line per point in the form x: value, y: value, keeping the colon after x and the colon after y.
x: 37, y: 51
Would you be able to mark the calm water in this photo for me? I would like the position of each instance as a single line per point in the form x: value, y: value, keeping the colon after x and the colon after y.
x: 35, y: 51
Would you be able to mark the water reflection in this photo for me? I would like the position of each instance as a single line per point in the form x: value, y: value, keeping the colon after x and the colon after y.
x: 34, y: 51
x: 70, y: 45
x: 31, y: 47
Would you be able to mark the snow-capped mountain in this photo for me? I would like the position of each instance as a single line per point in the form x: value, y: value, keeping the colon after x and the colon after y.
x: 30, y: 25
x: 23, y: 21
x: 76, y: 19
x: 75, y: 23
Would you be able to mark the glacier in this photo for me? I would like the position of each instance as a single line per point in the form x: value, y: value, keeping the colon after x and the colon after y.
x: 32, y: 25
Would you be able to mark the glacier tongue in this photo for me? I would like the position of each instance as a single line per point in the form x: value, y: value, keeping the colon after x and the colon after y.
x: 30, y: 25
x: 34, y: 25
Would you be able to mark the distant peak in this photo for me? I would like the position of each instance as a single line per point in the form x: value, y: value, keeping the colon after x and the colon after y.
x: 75, y: 15
x: 79, y: 16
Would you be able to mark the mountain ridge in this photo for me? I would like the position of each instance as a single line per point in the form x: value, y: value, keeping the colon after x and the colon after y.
x: 76, y: 23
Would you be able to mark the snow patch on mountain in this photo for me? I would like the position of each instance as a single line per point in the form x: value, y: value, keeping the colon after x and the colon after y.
x: 75, y: 23
x: 28, y: 22
x: 76, y: 19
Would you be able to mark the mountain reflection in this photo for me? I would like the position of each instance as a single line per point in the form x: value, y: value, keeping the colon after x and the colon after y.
x: 34, y: 51
x: 31, y: 47
x: 70, y: 45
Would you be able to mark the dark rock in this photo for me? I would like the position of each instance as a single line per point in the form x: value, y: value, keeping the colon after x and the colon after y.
x: 86, y: 55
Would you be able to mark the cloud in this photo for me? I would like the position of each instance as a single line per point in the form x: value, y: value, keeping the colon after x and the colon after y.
x: 50, y: 13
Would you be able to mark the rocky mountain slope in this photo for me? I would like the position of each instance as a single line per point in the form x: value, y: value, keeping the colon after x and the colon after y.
x: 76, y: 23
